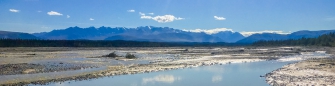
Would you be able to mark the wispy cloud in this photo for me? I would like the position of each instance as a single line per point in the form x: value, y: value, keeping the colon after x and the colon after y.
x: 210, y: 31
x: 179, y: 18
x: 246, y: 34
x: 54, y: 13
x: 161, y: 19
x: 330, y: 19
x: 14, y: 10
x: 68, y: 16
x: 151, y: 13
x: 91, y: 19
x: 39, y: 11
x: 146, y: 17
x: 219, y: 18
x: 130, y: 10
x: 142, y: 14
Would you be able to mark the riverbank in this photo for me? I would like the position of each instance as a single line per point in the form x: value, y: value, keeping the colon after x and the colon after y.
x: 77, y: 64
x: 312, y: 72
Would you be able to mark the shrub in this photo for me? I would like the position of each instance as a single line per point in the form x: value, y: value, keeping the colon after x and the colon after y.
x: 186, y: 50
x: 113, y: 55
x: 130, y: 56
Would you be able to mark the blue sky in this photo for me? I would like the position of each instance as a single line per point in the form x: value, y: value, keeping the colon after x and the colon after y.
x: 239, y: 15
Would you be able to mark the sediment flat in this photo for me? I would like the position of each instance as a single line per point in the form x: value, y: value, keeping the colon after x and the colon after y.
x: 311, y: 72
x: 43, y: 64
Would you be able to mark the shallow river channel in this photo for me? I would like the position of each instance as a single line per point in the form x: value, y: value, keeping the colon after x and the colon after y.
x: 236, y: 74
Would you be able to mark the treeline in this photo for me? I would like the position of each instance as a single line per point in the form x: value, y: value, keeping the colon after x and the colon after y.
x: 101, y: 43
x: 323, y: 40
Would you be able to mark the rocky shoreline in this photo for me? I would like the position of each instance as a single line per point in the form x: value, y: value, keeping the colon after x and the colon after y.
x: 312, y: 72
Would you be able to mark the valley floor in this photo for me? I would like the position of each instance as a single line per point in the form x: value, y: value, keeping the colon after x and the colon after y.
x: 43, y: 65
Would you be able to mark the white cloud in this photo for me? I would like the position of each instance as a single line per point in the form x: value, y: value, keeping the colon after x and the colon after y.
x: 166, y: 18
x: 130, y: 10
x: 142, y: 14
x: 160, y: 19
x: 210, y: 31
x: 67, y: 16
x: 219, y: 18
x: 14, y: 10
x: 91, y: 19
x: 54, y: 13
x: 39, y: 11
x: 246, y: 34
x: 146, y: 17
x: 179, y: 18
x: 151, y: 13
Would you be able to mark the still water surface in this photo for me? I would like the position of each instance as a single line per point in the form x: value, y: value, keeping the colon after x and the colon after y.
x: 237, y: 74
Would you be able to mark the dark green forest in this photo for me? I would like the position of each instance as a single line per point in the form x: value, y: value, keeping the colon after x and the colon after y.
x: 323, y: 40
x: 102, y: 43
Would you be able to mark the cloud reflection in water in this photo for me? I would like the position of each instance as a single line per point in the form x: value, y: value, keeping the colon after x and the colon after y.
x: 217, y: 78
x: 161, y: 78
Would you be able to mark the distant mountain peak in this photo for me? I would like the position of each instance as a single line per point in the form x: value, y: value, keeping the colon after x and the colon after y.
x: 211, y: 31
x: 283, y: 36
x: 16, y: 35
x: 149, y: 27
x: 246, y: 34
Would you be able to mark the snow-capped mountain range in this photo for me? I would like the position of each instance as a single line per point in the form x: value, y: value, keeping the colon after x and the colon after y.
x: 166, y: 34
x: 143, y: 33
